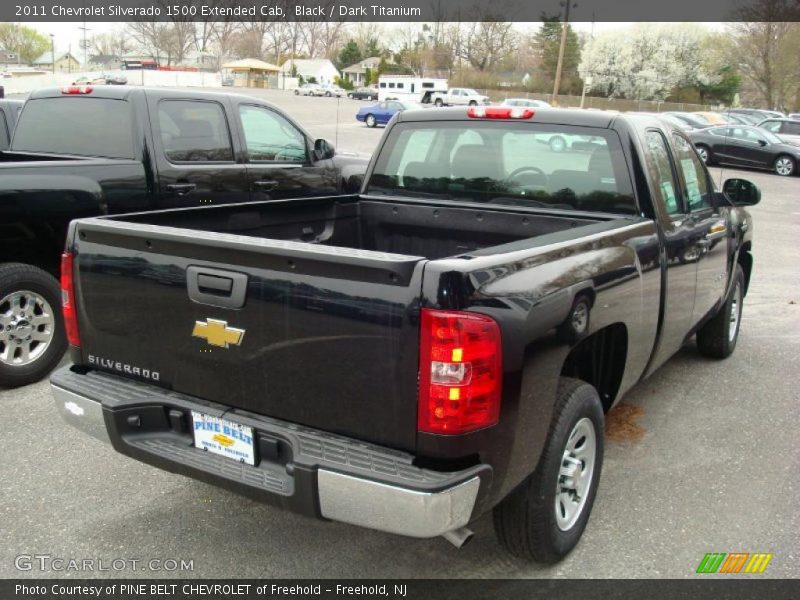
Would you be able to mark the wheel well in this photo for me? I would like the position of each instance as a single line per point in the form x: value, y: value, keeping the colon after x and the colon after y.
x: 746, y: 261
x: 600, y: 361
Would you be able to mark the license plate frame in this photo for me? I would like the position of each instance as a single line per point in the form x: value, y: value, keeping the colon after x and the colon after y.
x: 224, y: 437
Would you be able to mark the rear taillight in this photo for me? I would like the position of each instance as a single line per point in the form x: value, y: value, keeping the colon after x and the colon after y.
x: 499, y: 112
x: 68, y: 307
x: 76, y: 90
x: 460, y: 372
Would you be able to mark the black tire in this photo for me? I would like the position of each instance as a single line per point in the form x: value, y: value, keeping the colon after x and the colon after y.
x: 439, y: 102
x: 296, y: 93
x: 715, y: 339
x: 370, y: 120
x: 784, y: 165
x: 16, y: 277
x: 473, y: 103
x: 525, y: 521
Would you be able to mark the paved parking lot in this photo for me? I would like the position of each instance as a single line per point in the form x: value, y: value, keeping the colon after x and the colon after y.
x: 701, y: 457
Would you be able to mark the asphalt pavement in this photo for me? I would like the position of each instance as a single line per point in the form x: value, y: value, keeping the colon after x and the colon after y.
x: 701, y: 457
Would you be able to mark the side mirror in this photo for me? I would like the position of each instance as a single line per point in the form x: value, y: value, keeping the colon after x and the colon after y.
x: 742, y: 192
x: 323, y: 149
x: 762, y: 143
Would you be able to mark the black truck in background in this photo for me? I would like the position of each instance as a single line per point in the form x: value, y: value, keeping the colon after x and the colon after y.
x: 443, y: 344
x: 81, y: 151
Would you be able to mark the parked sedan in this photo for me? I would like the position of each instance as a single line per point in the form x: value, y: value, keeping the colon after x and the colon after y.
x: 745, y: 146
x: 712, y: 117
x: 786, y: 129
x: 696, y: 121
x: 309, y: 89
x: 381, y: 113
x: 333, y: 90
x: 363, y: 93
x: 527, y: 102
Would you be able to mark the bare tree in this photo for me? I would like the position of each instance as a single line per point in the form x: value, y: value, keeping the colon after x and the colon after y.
x: 224, y: 33
x: 485, y: 44
x: 766, y: 45
x: 114, y: 43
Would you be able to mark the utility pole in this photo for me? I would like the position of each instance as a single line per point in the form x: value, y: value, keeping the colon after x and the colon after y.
x: 565, y: 26
x: 84, y: 44
x: 53, y: 52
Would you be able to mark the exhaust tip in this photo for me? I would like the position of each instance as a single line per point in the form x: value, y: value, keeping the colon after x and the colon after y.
x: 458, y: 537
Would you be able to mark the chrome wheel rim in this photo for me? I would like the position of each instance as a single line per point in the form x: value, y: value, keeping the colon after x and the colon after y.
x: 575, y: 474
x: 784, y: 166
x: 736, y: 313
x: 27, y: 326
x: 703, y: 154
x: 370, y: 120
x: 580, y: 317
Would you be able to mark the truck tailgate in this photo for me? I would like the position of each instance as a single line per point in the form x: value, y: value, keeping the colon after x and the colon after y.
x: 321, y: 336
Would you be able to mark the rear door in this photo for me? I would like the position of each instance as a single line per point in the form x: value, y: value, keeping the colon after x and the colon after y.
x: 194, y: 144
x: 681, y: 272
x: 279, y: 156
x: 708, y: 229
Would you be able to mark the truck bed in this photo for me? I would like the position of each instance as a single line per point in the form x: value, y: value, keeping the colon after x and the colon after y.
x: 419, y: 229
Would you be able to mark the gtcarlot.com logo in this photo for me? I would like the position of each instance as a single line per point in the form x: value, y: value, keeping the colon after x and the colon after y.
x: 734, y: 562
x: 48, y: 562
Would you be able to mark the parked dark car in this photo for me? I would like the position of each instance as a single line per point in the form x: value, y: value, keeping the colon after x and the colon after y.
x: 757, y: 113
x: 363, y: 93
x: 381, y: 113
x: 87, y: 150
x: 786, y: 129
x: 745, y: 146
x: 443, y: 344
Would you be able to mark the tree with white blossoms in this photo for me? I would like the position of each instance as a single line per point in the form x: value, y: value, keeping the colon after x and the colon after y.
x: 644, y: 61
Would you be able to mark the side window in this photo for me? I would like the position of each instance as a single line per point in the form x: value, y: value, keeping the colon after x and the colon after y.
x: 268, y: 136
x: 383, y: 84
x: 698, y: 191
x: 660, y: 168
x: 773, y: 126
x: 791, y: 128
x: 193, y: 131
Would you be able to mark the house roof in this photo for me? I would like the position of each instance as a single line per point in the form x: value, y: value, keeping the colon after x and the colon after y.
x: 362, y: 65
x: 308, y: 66
x: 251, y: 64
x: 47, y: 58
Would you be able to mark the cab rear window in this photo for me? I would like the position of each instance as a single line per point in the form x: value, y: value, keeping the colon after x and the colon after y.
x: 79, y: 126
x: 513, y: 163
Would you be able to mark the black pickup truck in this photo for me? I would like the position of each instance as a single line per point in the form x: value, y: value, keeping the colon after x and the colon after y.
x: 81, y: 151
x: 440, y: 345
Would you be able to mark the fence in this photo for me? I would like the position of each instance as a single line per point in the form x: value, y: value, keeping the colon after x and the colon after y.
x: 26, y: 84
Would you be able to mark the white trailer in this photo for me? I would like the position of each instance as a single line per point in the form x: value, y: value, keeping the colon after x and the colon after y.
x: 410, y: 87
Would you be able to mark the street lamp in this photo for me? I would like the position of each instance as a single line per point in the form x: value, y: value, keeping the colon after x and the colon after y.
x: 557, y: 83
x: 53, y: 51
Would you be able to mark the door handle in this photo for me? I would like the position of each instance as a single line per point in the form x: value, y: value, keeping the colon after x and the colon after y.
x: 265, y: 185
x: 215, y: 287
x: 181, y: 189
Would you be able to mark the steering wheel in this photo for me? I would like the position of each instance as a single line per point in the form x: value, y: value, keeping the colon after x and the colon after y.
x: 527, y: 169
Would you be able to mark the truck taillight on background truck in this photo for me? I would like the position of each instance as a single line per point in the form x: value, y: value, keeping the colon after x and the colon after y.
x: 68, y: 308
x: 460, y: 372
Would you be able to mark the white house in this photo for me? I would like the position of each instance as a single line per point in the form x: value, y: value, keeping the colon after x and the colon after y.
x: 321, y: 69
x: 357, y: 73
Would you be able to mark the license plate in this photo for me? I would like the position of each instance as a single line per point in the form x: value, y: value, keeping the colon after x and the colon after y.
x: 224, y: 437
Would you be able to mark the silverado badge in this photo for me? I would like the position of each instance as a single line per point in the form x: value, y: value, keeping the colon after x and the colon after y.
x: 217, y: 333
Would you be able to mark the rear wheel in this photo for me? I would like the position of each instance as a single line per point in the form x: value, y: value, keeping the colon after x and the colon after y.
x: 544, y: 517
x: 704, y: 153
x: 717, y: 338
x: 439, y: 102
x: 784, y: 165
x: 558, y: 143
x: 370, y: 121
x: 473, y: 103
x: 296, y: 93
x: 32, y: 338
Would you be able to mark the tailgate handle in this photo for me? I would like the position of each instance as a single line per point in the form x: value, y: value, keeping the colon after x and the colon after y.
x: 215, y: 287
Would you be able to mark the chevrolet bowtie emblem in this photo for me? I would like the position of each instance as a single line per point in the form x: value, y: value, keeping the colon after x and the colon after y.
x: 217, y: 333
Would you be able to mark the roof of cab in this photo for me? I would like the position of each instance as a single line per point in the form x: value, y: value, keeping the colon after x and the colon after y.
x: 553, y: 116
x: 122, y: 92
